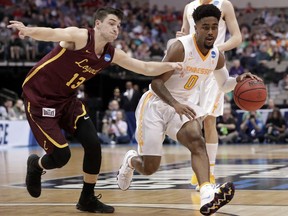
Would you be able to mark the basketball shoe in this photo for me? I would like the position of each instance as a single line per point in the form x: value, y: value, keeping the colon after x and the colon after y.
x: 125, y: 173
x: 194, y: 181
x: 33, y: 176
x: 92, y: 204
x: 213, y: 198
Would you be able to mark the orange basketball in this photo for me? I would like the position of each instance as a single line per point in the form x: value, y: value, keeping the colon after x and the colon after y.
x: 250, y: 94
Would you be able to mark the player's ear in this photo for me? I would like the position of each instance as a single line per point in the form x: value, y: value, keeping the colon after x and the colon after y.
x: 196, y: 31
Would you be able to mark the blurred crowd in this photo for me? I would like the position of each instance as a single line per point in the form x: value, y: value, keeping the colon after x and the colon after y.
x: 144, y: 33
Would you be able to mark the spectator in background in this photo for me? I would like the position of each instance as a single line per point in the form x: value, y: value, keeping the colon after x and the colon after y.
x: 156, y: 52
x: 283, y: 84
x: 109, y: 116
x: 275, y: 127
x: 3, y: 111
x: 6, y: 110
x: 236, y: 69
x: 116, y: 95
x: 226, y: 126
x: 262, y: 58
x: 251, y: 128
x: 118, y: 129
x: 19, y: 110
x: 129, y: 102
x: 15, y: 45
x: 249, y: 8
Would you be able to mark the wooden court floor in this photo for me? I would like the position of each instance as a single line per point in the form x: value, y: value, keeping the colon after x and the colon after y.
x: 260, y: 173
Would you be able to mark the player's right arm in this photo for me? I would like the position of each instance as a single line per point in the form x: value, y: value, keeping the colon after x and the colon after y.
x: 141, y: 67
x: 224, y: 81
x: 70, y: 34
x: 175, y: 53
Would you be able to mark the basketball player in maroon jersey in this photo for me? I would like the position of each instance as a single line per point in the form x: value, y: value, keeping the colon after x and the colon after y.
x: 51, y: 104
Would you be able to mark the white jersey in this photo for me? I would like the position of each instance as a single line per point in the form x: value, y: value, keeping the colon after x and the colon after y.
x: 155, y: 118
x: 196, y: 68
x: 222, y: 25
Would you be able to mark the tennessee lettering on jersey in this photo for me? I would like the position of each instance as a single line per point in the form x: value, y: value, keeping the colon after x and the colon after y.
x: 197, y: 67
x: 198, y: 70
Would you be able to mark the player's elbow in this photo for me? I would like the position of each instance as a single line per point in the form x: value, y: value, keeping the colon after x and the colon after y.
x: 156, y: 83
x: 238, y: 40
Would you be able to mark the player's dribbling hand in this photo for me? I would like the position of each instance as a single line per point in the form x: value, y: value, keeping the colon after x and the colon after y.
x: 183, y: 109
x: 19, y: 26
x: 247, y: 75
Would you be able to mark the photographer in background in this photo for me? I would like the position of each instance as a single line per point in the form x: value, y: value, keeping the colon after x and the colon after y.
x: 118, y: 129
x: 226, y: 126
x: 251, y: 128
x: 275, y: 127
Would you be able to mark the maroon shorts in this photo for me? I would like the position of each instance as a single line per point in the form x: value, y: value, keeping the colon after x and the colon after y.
x: 47, y: 122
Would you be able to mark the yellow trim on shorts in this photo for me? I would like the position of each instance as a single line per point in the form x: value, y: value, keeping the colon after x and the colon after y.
x: 140, y: 126
x: 46, y: 135
x: 83, y: 114
x: 216, y: 104
x: 43, y: 65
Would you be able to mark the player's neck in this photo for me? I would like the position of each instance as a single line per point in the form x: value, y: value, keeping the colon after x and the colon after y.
x: 100, y: 43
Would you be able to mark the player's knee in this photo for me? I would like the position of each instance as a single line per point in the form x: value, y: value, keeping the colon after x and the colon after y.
x: 210, y: 122
x: 61, y: 157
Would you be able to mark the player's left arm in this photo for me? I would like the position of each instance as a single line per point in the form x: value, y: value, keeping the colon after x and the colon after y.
x: 232, y: 25
x: 226, y: 83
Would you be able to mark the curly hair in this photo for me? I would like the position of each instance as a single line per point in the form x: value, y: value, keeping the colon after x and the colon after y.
x: 206, y: 10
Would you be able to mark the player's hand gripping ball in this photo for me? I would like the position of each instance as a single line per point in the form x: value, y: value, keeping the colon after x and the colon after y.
x: 250, y: 94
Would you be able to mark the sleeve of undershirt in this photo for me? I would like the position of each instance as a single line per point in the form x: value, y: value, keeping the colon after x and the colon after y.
x: 225, y: 83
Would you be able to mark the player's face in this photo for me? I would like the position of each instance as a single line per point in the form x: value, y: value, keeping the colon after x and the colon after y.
x: 207, y: 31
x: 109, y: 28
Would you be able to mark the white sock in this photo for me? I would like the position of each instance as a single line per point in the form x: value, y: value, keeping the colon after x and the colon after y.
x: 212, y: 153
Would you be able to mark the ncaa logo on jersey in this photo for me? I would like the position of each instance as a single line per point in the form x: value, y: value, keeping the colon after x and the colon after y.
x: 213, y: 54
x: 48, y: 112
x: 107, y: 58
x: 215, y: 3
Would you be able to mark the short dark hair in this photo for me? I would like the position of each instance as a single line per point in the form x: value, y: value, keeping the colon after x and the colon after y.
x: 206, y: 10
x: 102, y: 13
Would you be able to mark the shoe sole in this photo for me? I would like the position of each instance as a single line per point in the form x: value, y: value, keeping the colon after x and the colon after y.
x: 83, y: 209
x: 224, y: 196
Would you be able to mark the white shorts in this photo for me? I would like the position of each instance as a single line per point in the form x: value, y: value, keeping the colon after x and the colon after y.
x: 155, y: 119
x: 209, y: 97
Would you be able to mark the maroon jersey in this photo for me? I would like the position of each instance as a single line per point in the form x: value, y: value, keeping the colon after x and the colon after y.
x: 55, y: 78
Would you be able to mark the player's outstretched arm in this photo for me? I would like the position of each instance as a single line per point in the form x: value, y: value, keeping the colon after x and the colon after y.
x: 70, y: 34
x: 142, y: 67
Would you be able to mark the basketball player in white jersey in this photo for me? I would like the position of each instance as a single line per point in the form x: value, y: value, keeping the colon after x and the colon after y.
x: 209, y: 95
x: 167, y: 109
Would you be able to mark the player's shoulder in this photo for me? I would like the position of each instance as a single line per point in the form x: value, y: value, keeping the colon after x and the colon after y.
x: 226, y: 6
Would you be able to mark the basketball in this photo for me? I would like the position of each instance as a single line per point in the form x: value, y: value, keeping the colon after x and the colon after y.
x: 250, y: 94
